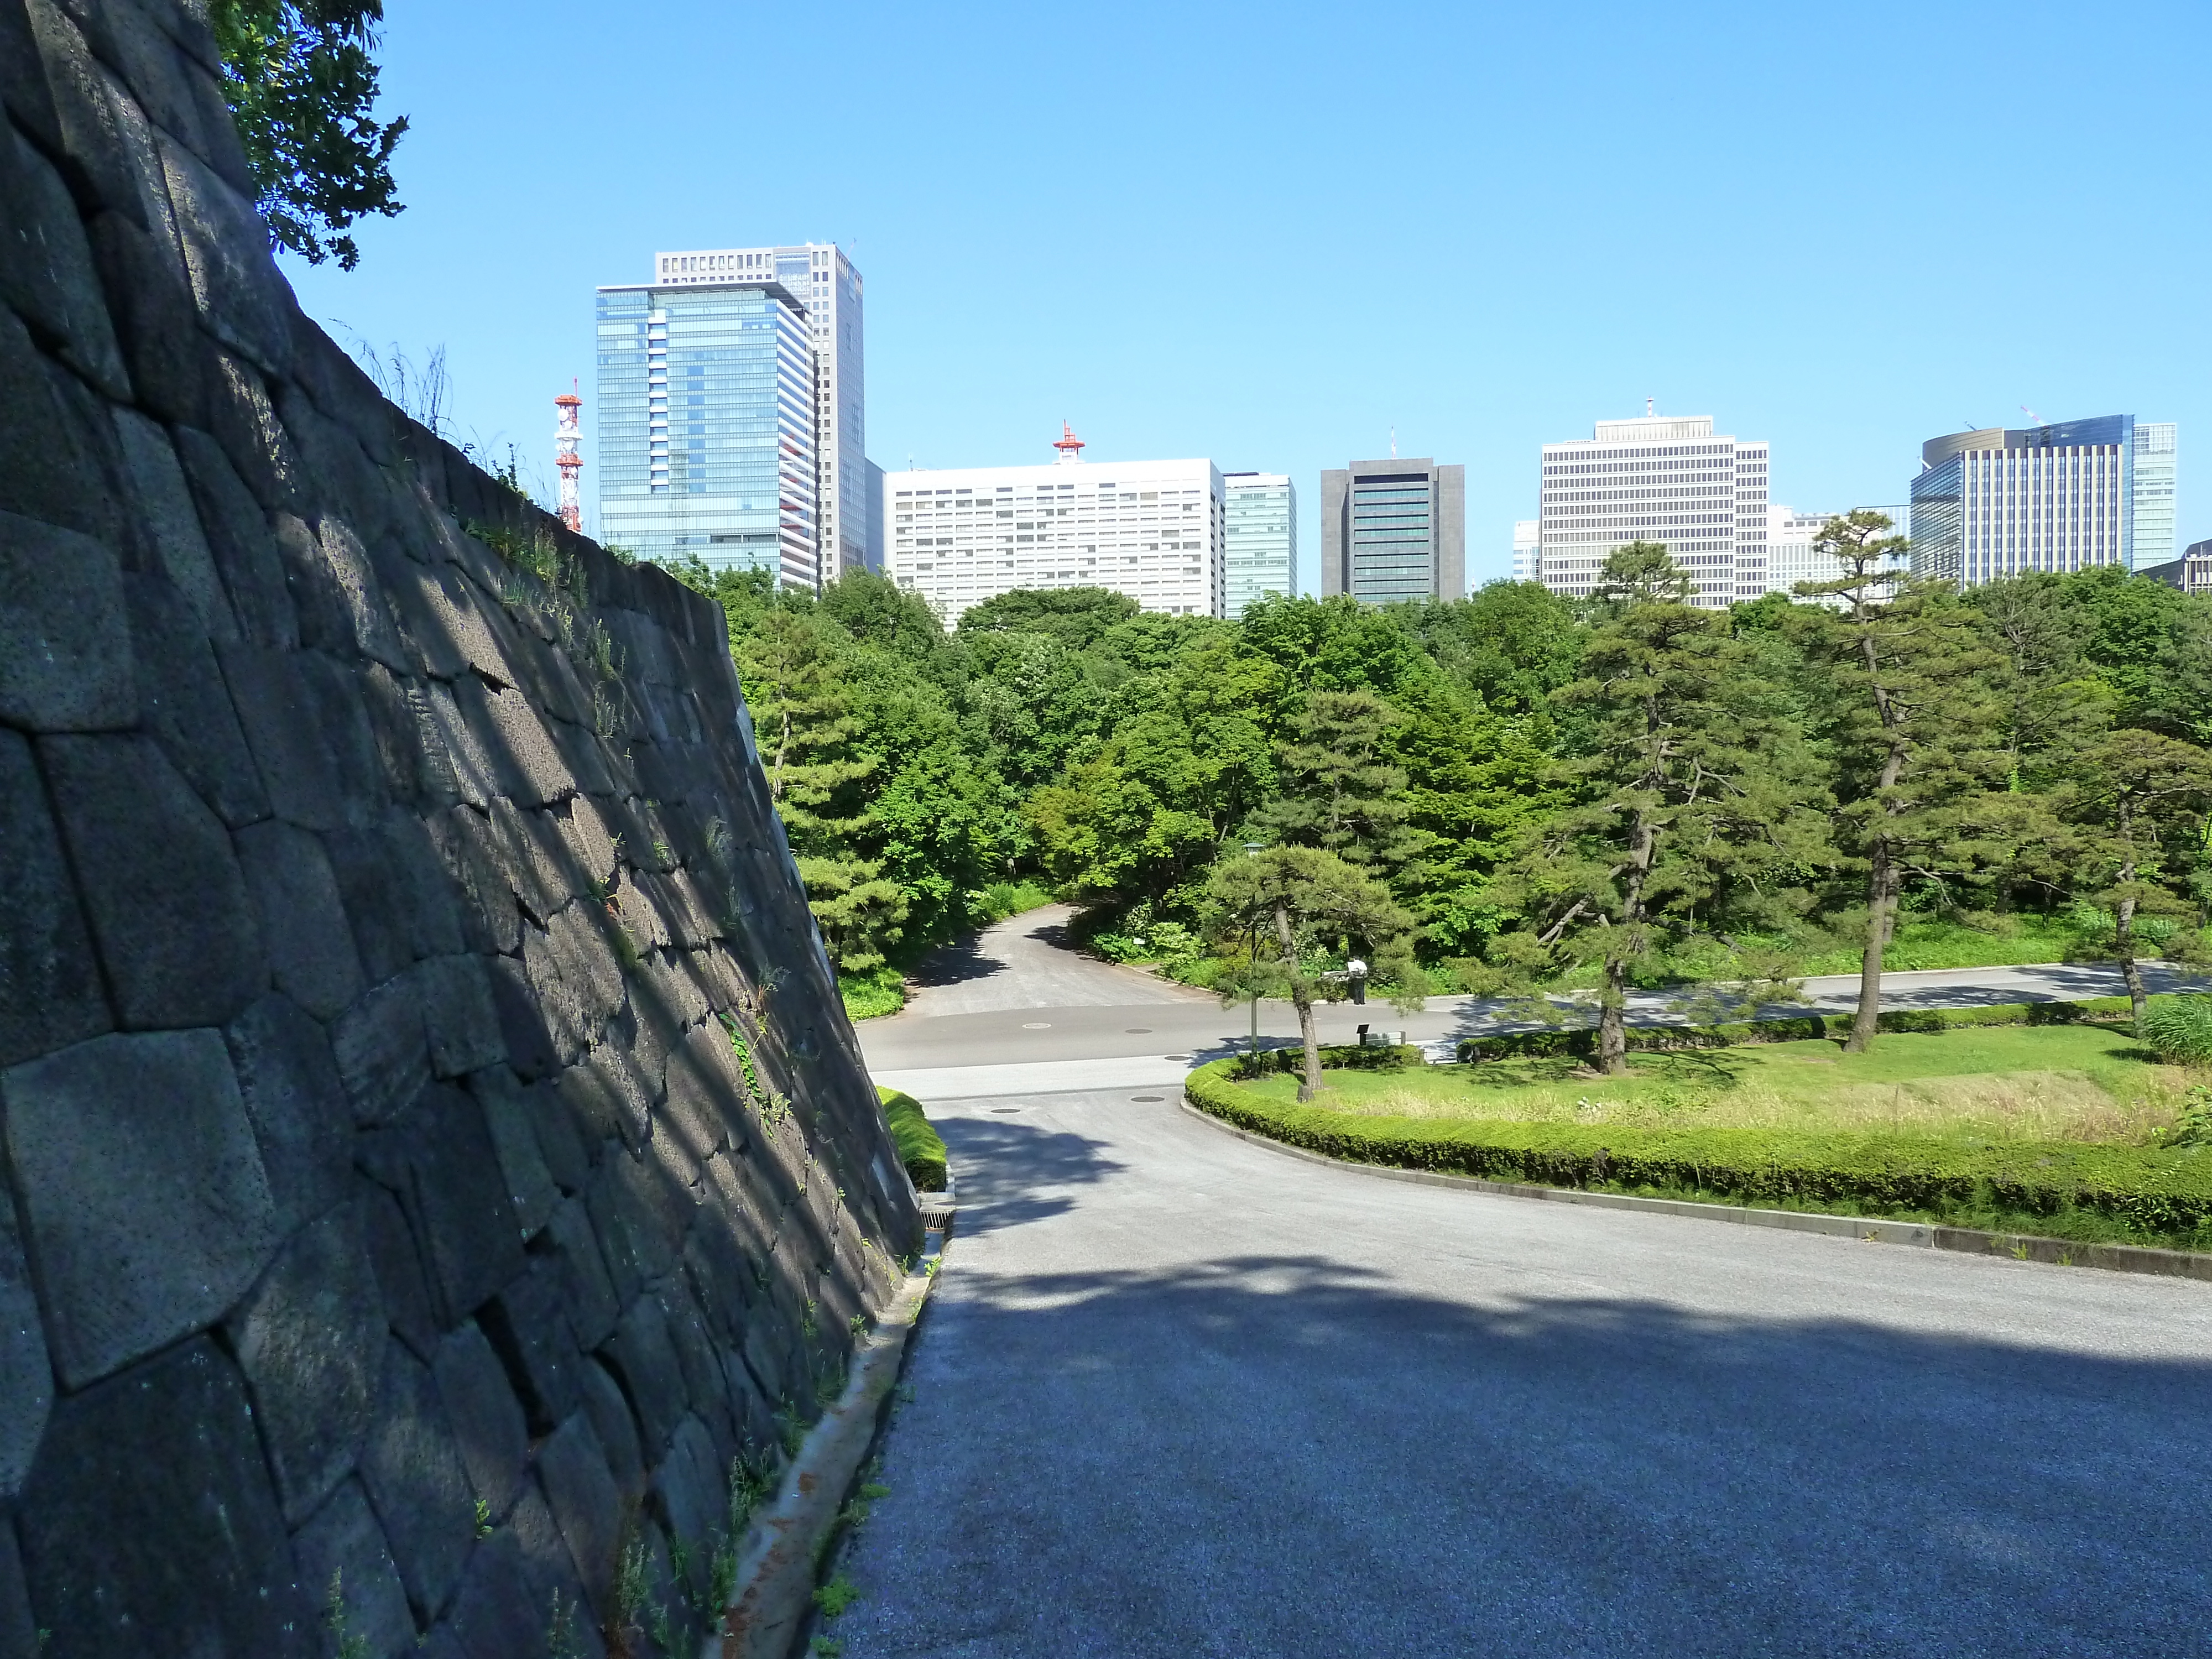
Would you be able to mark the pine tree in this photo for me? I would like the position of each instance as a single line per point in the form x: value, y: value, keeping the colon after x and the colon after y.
x: 2141, y: 798
x: 1918, y: 735
x: 1337, y: 790
x: 1695, y: 803
x: 1275, y: 913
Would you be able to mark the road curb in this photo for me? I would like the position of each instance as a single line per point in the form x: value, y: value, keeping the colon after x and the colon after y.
x: 1869, y: 1230
x: 776, y: 1569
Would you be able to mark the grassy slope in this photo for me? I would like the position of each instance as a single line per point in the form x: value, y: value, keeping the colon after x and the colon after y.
x: 921, y: 1149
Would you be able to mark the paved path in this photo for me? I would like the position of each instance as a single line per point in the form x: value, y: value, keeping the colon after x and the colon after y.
x: 1024, y: 961
x: 1178, y: 1394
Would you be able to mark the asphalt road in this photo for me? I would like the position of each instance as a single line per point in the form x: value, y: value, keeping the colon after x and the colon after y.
x: 1178, y: 1394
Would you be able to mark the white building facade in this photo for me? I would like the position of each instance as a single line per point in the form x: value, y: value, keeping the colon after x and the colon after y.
x: 1657, y: 478
x: 1260, y: 545
x: 829, y: 290
x: 1791, y: 557
x: 1527, y: 539
x: 1153, y: 530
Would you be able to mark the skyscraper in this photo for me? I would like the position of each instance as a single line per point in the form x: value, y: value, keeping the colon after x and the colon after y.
x: 1153, y: 530
x: 706, y: 421
x: 1260, y: 544
x: 828, y: 289
x: 2063, y: 496
x: 1670, y: 479
x: 1394, y: 530
x: 1527, y: 539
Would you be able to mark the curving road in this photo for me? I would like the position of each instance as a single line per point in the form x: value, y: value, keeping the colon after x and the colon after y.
x: 1178, y: 1394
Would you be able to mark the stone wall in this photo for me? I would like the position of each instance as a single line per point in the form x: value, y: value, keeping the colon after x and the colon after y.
x: 434, y: 1146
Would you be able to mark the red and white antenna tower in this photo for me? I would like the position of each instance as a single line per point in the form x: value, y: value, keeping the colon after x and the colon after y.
x: 566, y: 436
x: 1069, y: 445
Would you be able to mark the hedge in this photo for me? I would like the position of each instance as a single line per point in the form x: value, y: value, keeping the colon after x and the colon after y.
x: 921, y: 1147
x: 2149, y: 1194
x: 1341, y: 1057
x: 1581, y: 1040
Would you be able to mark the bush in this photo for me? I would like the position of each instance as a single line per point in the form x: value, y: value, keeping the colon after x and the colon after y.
x: 2180, y: 1029
x: 1581, y: 1040
x: 870, y: 995
x: 1002, y: 899
x: 921, y: 1149
x: 2149, y: 1194
x: 1345, y: 1057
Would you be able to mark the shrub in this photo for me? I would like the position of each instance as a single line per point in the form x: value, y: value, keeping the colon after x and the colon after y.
x: 2180, y: 1029
x: 870, y: 995
x: 2152, y: 1194
x: 1581, y: 1042
x: 1345, y: 1057
x: 921, y: 1147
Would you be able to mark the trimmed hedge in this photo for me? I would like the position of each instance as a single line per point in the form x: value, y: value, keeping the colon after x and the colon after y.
x: 921, y: 1149
x: 1337, y: 1057
x: 2148, y: 1194
x: 1581, y: 1040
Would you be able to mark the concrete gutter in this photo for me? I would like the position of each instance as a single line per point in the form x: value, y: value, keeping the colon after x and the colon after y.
x: 777, y: 1568
x: 2024, y: 1246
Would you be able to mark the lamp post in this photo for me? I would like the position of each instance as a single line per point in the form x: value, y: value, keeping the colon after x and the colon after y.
x: 1252, y: 1052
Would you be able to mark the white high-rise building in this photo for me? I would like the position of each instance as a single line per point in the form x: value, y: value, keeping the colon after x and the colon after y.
x: 1526, y: 541
x: 822, y: 280
x: 1153, y: 530
x: 2066, y: 496
x: 1663, y: 478
x: 1260, y: 546
x: 2156, y: 442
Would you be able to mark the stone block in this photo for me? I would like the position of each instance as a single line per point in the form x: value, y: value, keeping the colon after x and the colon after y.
x: 311, y: 1338
x: 608, y: 1097
x: 554, y: 1584
x: 640, y: 1207
x: 411, y: 1468
x: 65, y: 661
x: 540, y: 871
x: 19, y: 1632
x: 588, y: 1294
x: 376, y: 882
x: 487, y: 1417
x: 529, y: 766
x: 238, y: 536
x: 303, y: 919
x: 490, y: 922
x: 697, y: 1358
x: 148, y: 1525
x: 340, y: 714
x: 162, y: 503
x: 240, y: 296
x: 396, y: 717
x: 522, y: 1027
x: 26, y: 1378
x: 277, y: 711
x: 321, y: 607
x: 495, y: 1612
x: 705, y: 1092
x: 383, y: 1050
x: 575, y: 979
x: 302, y: 1121
x: 150, y: 307
x: 508, y: 1108
x: 341, y: 1545
x: 586, y: 1505
x: 460, y: 1015
x: 50, y: 988
x: 527, y: 1324
x: 693, y: 1498
x: 166, y: 900
x: 185, y: 703
x: 405, y: 1292
x: 46, y: 271
x: 23, y: 90
x: 616, y: 1424
x: 360, y: 594
x: 95, y: 146
x: 643, y: 1360
x: 463, y: 768
x: 145, y: 1204
x: 147, y: 63
x: 245, y: 423
x: 437, y: 1159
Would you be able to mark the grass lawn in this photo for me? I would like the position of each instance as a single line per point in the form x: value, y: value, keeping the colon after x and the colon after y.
x: 1999, y: 1082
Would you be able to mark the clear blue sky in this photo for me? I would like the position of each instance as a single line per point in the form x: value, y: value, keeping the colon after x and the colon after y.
x: 1268, y: 235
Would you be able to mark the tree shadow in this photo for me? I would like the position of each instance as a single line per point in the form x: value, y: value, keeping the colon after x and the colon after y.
x: 1009, y: 1172
x: 1325, y: 1457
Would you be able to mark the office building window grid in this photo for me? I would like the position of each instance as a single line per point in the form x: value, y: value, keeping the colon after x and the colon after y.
x: 1260, y: 541
x: 2071, y: 495
x: 1665, y: 479
x: 1153, y: 530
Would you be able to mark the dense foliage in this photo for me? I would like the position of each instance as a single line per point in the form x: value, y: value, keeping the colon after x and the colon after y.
x: 1524, y: 790
x: 299, y: 76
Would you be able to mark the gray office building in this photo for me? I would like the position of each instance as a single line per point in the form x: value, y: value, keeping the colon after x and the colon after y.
x: 1394, y: 530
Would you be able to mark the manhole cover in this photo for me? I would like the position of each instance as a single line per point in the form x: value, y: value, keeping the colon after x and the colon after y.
x: 1003, y: 1110
x: 1038, y: 1025
x: 1139, y: 1030
x: 1148, y: 1100
x: 1178, y: 1057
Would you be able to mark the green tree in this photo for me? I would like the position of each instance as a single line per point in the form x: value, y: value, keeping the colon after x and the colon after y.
x: 301, y: 82
x: 1335, y: 790
x: 1277, y: 914
x: 2141, y: 797
x: 801, y: 706
x: 1696, y: 800
x: 1918, y: 734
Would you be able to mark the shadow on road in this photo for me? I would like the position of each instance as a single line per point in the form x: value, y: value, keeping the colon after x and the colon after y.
x: 1011, y: 1172
x: 1300, y: 1450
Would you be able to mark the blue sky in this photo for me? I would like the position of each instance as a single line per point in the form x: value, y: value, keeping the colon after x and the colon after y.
x: 1270, y: 235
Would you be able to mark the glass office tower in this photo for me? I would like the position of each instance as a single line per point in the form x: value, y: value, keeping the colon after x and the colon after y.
x: 1994, y: 502
x: 1394, y: 530
x: 706, y: 423
x: 1260, y: 536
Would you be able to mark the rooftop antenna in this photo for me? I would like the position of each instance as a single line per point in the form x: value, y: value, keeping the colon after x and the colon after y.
x: 2032, y: 415
x: 567, y: 432
x: 1647, y: 408
x: 1393, y: 443
x: 1069, y: 445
